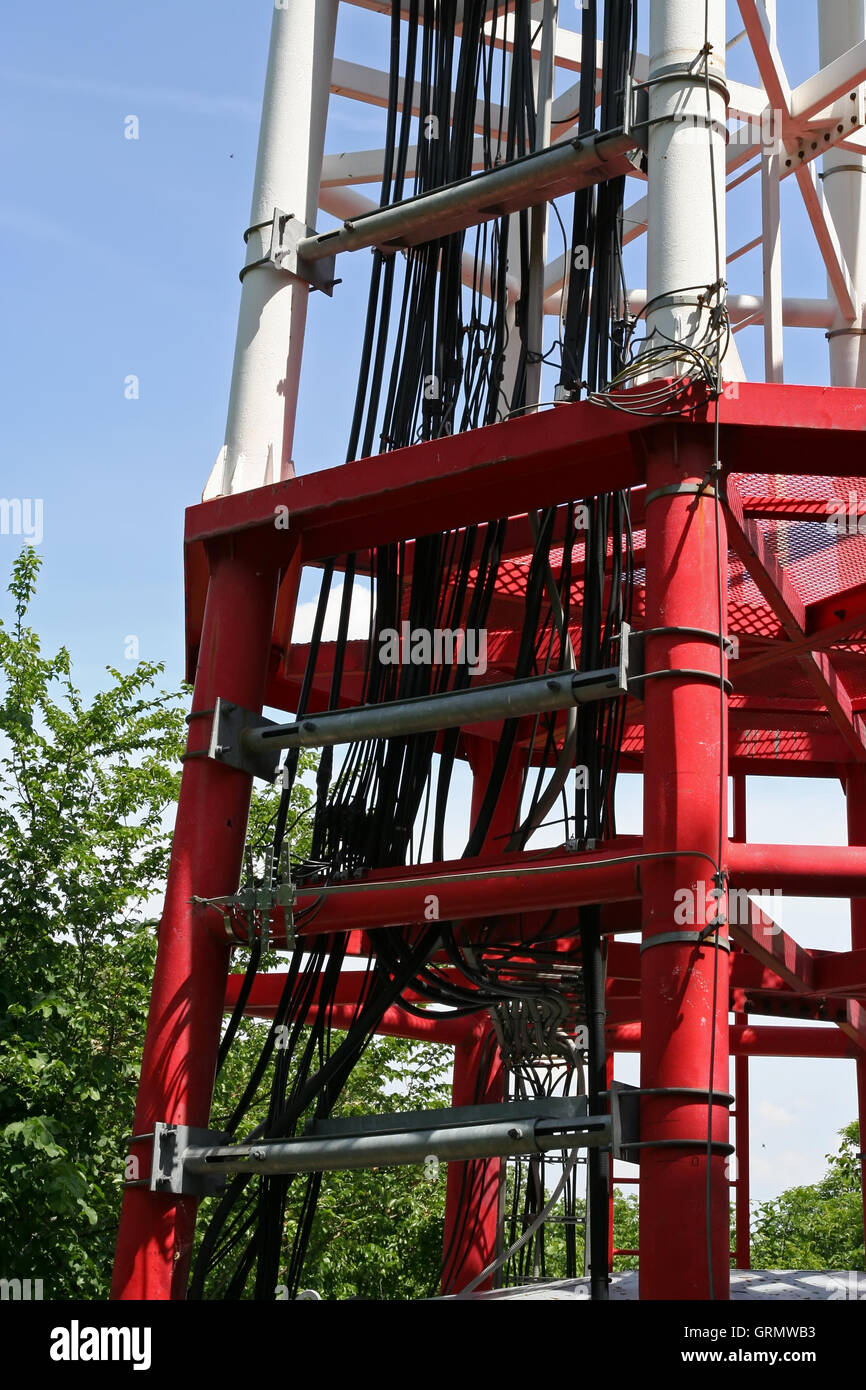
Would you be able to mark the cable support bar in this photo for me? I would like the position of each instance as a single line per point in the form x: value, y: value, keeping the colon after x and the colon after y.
x: 534, y: 1127
x: 546, y: 174
x: 250, y: 742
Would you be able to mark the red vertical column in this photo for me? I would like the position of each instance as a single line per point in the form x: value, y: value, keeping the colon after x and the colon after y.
x: 472, y: 1215
x: 684, y: 981
x: 472, y: 1196
x: 177, y: 1070
x: 855, y: 791
x: 741, y: 1082
x: 611, y: 1198
x: 481, y: 753
x: 741, y: 1141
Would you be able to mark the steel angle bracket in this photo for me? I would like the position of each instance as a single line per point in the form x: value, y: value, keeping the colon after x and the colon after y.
x: 230, y: 723
x: 625, y: 1121
x: 167, y: 1173
x: 600, y: 685
x: 636, y: 121
x: 287, y: 232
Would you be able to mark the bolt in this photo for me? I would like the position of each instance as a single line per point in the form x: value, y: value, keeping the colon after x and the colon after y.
x: 515, y: 1134
x: 257, y: 1154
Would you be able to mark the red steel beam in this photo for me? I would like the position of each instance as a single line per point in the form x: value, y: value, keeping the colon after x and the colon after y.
x: 460, y: 888
x: 841, y: 972
x: 525, y: 462
x: 789, y: 508
x: 806, y: 871
x: 772, y: 946
x: 396, y: 1023
x: 267, y: 990
x: 775, y: 1003
x: 749, y: 1041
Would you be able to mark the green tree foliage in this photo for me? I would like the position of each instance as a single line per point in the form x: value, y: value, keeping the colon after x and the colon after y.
x: 815, y: 1227
x: 87, y: 790
x: 378, y: 1232
x: 84, y: 791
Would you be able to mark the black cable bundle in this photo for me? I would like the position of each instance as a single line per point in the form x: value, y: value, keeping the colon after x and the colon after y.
x: 433, y: 362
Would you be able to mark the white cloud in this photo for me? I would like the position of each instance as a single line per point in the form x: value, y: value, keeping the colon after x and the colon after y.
x: 775, y: 1116
x: 359, y: 615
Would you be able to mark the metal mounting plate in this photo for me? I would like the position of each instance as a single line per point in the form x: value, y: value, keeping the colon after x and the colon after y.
x: 227, y: 746
x: 286, y: 234
x: 167, y: 1173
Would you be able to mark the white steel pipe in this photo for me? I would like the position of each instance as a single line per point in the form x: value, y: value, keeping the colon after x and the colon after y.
x: 796, y: 312
x: 273, y: 308
x: 544, y: 80
x: 841, y: 25
x: 686, y: 223
x: 348, y: 203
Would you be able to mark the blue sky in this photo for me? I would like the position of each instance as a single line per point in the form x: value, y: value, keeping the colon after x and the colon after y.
x: 120, y: 258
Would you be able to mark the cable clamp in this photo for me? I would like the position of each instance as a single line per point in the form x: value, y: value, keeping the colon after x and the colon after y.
x: 258, y: 897
x: 676, y: 490
x: 680, y: 938
x: 843, y: 169
x: 287, y: 232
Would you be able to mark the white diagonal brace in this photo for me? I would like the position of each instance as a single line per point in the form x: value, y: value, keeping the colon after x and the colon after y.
x: 837, y: 79
x: 828, y: 242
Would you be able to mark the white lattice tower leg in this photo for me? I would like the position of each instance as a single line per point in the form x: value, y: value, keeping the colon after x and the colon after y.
x: 273, y: 308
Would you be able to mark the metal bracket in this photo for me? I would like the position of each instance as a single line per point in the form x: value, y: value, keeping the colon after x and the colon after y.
x: 625, y: 1121
x: 636, y: 122
x: 226, y: 745
x: 287, y: 232
x: 167, y: 1173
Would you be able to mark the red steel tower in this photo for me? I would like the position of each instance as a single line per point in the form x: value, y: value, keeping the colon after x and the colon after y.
x: 744, y: 655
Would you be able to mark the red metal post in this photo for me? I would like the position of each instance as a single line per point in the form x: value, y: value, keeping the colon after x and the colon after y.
x: 684, y: 1041
x: 741, y: 1141
x: 472, y: 1196
x: 741, y: 1079
x: 481, y: 753
x: 472, y: 1211
x: 855, y: 791
x: 609, y: 1070
x: 155, y: 1238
